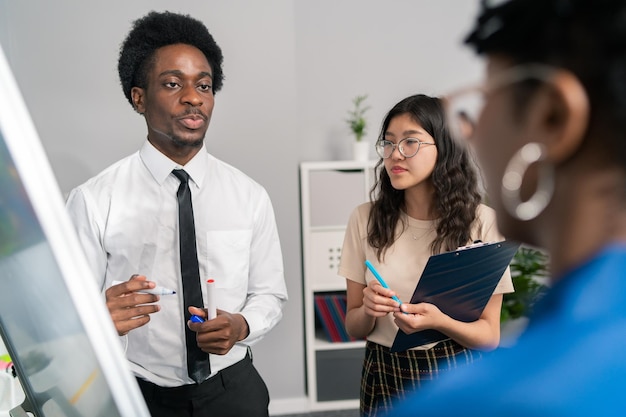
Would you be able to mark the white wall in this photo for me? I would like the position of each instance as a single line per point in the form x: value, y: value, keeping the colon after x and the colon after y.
x: 386, y: 49
x: 292, y: 68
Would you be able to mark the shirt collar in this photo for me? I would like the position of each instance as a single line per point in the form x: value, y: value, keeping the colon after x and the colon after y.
x: 160, y: 166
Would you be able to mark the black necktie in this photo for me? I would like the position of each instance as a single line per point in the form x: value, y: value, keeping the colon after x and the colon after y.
x: 198, y: 364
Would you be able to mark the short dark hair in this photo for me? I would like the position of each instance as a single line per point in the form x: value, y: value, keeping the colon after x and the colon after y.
x: 586, y: 37
x: 156, y: 30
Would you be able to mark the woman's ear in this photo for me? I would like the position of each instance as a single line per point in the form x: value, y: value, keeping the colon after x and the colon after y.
x: 561, y: 113
x: 137, y: 94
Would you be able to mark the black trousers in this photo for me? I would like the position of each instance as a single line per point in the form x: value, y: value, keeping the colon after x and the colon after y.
x: 235, y: 391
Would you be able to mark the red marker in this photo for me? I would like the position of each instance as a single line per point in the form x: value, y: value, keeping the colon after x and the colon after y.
x: 210, y: 302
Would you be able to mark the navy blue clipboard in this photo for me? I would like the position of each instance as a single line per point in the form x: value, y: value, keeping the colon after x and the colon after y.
x: 460, y: 283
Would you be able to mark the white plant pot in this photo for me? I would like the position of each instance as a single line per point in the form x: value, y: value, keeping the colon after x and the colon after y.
x: 360, y: 150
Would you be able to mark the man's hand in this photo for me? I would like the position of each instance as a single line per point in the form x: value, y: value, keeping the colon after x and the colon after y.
x: 128, y: 308
x: 220, y: 334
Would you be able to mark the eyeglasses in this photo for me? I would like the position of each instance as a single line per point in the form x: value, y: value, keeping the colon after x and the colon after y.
x: 408, y: 147
x: 464, y: 107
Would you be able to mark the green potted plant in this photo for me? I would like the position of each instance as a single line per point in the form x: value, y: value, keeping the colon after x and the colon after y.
x: 358, y: 125
x: 529, y: 271
x: 529, y: 268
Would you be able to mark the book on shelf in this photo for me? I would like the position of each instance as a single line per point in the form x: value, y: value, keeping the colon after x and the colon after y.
x: 330, y: 309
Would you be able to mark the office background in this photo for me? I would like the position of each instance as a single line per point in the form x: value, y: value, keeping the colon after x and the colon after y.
x: 292, y: 68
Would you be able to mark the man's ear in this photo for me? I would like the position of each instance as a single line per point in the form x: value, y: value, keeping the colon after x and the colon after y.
x: 561, y: 113
x: 138, y: 94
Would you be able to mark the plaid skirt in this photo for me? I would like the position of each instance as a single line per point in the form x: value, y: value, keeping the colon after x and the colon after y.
x: 388, y: 377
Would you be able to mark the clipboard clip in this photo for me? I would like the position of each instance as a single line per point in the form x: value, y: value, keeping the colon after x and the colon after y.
x: 476, y: 244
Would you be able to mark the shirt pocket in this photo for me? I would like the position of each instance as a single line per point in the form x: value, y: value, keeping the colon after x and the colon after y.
x: 228, y: 257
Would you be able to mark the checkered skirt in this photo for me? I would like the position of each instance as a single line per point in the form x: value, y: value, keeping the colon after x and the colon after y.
x: 388, y: 376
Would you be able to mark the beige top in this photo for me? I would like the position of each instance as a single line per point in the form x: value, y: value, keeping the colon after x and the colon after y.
x: 405, y: 261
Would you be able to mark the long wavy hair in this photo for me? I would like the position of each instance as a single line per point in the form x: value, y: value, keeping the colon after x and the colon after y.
x: 454, y: 178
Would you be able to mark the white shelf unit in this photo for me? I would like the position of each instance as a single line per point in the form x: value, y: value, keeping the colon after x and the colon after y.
x: 329, y: 191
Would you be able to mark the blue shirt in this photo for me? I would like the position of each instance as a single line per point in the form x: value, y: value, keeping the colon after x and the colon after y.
x: 570, y: 361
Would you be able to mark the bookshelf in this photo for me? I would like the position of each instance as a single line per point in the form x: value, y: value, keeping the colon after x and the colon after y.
x: 329, y: 191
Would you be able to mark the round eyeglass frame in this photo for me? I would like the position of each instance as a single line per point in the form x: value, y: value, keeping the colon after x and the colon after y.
x: 381, y: 150
x: 456, y: 119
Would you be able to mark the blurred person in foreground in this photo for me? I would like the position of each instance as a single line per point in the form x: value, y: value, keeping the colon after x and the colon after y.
x: 550, y: 141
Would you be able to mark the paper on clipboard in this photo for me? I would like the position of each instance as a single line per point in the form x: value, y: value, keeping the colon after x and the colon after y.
x: 459, y: 283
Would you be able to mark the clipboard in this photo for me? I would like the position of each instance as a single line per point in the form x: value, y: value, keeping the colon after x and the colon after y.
x: 459, y: 283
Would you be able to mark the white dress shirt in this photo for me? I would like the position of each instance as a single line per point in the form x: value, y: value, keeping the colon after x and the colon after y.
x: 127, y: 221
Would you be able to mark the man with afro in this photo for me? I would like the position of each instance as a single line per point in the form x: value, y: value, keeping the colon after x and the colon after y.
x: 132, y: 231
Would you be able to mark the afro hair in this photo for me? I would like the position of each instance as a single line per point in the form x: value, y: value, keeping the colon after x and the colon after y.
x: 156, y: 30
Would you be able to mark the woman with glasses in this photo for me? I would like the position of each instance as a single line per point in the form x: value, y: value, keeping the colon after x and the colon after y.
x: 550, y: 138
x: 425, y: 201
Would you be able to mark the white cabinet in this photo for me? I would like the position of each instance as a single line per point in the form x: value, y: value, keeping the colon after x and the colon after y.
x: 329, y: 191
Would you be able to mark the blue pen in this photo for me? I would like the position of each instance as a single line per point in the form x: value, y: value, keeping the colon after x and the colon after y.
x: 380, y: 279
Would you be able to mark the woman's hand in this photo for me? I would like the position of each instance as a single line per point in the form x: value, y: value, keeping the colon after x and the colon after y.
x: 419, y: 317
x: 483, y: 334
x: 365, y: 304
x: 377, y: 300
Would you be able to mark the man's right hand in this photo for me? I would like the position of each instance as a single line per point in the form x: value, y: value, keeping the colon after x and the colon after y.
x: 130, y: 309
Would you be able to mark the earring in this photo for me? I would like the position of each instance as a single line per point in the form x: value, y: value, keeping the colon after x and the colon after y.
x: 512, y: 183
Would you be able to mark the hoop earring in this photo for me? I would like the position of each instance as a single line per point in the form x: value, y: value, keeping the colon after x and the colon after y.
x: 512, y: 182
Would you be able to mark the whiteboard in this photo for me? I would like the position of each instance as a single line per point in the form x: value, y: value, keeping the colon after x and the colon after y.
x: 53, y: 320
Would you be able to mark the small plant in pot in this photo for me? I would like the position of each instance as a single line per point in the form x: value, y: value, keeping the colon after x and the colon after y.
x: 529, y: 269
x: 529, y: 272
x: 357, y: 121
x: 358, y: 125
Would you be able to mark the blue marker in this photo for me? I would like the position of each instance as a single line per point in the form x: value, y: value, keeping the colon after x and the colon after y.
x: 197, y: 319
x: 380, y: 279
